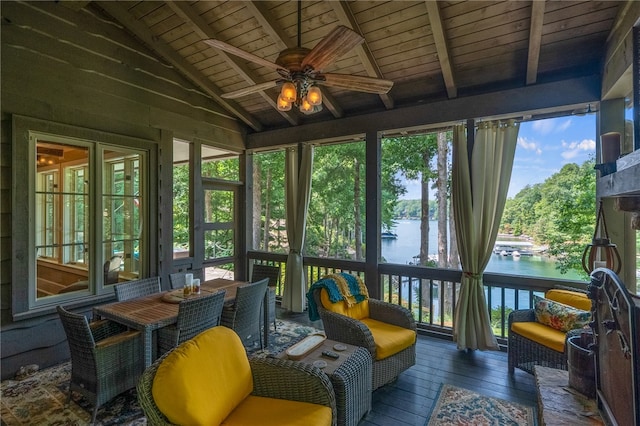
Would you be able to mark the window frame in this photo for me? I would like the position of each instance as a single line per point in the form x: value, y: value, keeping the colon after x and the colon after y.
x: 24, y: 304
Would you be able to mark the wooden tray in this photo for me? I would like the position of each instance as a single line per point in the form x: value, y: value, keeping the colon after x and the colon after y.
x: 304, y: 346
x: 176, y: 296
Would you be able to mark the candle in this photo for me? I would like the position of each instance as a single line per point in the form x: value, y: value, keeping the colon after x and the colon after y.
x: 196, y: 286
x: 188, y: 279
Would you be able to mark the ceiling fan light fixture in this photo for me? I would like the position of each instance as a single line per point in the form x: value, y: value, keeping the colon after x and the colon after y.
x: 288, y: 92
x: 305, y: 106
x: 308, y: 109
x: 283, y: 105
x: 314, y: 95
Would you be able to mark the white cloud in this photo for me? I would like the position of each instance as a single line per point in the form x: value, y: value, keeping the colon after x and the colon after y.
x: 551, y: 125
x: 564, y: 125
x: 543, y: 127
x: 529, y: 145
x: 576, y: 148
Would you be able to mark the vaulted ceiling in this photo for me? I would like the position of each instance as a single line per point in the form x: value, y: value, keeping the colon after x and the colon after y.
x: 432, y: 51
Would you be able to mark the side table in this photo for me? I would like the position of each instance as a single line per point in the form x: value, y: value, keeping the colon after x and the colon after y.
x: 350, y: 376
x: 561, y: 405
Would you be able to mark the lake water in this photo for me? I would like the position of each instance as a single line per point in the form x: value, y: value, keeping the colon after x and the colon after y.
x: 407, y: 245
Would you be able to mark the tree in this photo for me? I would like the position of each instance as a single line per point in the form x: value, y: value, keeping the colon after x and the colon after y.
x: 411, y: 157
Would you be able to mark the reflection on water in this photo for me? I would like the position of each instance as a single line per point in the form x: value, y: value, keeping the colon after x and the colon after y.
x: 407, y: 245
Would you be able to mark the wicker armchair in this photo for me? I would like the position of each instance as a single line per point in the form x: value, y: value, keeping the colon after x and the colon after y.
x: 345, y: 329
x: 132, y: 289
x: 106, y: 360
x: 526, y: 349
x: 273, y: 273
x: 194, y: 316
x: 244, y: 316
x: 272, y: 378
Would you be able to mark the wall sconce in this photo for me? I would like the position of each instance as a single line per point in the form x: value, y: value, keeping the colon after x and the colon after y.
x: 601, y: 248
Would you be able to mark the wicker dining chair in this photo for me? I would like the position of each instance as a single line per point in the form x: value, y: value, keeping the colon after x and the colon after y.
x: 132, y: 289
x: 194, y: 316
x: 106, y: 359
x: 177, y: 279
x: 273, y: 273
x: 244, y: 316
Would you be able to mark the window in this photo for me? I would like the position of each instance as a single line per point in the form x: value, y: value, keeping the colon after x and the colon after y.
x: 220, y: 201
x: 181, y: 194
x: 268, y: 230
x: 336, y: 215
x: 79, y: 253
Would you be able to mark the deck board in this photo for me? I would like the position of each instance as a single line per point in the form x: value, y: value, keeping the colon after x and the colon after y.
x: 409, y: 399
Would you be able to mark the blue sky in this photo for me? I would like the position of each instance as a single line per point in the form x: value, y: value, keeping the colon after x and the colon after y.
x: 544, y: 146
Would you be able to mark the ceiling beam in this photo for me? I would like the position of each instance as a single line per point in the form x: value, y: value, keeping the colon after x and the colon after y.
x: 435, y: 21
x: 542, y: 98
x: 260, y: 11
x: 346, y: 18
x: 117, y: 10
x: 535, y: 40
x: 200, y: 27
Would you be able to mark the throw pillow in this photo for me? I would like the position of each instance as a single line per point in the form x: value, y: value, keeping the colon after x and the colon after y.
x: 559, y: 316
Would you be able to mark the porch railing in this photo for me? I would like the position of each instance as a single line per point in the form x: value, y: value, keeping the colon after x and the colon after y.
x: 432, y: 293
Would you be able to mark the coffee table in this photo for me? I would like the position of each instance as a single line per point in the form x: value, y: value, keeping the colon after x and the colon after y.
x: 350, y: 376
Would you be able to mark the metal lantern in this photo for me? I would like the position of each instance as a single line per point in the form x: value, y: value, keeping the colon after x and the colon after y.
x: 601, y: 249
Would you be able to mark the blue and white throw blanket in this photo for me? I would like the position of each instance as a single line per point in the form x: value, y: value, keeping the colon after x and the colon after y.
x: 340, y: 287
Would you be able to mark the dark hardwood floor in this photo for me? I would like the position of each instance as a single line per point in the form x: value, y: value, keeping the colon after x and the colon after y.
x: 409, y: 399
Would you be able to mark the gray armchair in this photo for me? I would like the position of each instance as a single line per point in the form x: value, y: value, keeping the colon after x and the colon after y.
x: 273, y: 274
x: 106, y: 359
x: 244, y: 316
x: 132, y: 289
x: 343, y: 328
x: 195, y: 315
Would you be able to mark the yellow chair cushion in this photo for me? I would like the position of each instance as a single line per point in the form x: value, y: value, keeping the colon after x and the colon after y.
x: 572, y: 298
x: 357, y: 311
x: 389, y: 339
x: 275, y: 412
x: 203, y: 380
x: 540, y: 333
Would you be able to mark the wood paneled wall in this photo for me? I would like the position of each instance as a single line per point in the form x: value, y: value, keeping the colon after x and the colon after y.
x: 77, y: 68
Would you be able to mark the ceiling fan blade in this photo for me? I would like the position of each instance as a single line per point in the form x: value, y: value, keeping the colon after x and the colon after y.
x: 335, y: 44
x: 357, y: 82
x: 218, y: 44
x: 251, y: 89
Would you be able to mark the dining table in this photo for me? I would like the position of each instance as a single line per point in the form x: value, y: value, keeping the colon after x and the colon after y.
x: 151, y: 312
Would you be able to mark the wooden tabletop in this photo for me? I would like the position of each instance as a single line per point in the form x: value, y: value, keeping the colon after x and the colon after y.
x: 153, y: 311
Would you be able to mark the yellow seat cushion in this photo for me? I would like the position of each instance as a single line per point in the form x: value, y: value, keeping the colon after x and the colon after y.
x: 389, y: 339
x: 257, y: 410
x: 357, y: 311
x: 203, y: 380
x: 572, y: 298
x: 540, y: 333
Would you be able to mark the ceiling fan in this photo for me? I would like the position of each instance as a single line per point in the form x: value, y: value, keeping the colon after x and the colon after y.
x: 301, y: 73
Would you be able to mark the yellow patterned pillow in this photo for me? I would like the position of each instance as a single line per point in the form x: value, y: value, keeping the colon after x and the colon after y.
x: 559, y: 316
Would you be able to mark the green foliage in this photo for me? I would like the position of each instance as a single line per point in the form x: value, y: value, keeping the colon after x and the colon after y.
x: 559, y: 213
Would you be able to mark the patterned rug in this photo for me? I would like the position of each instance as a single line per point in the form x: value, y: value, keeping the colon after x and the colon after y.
x: 41, y: 398
x: 462, y: 407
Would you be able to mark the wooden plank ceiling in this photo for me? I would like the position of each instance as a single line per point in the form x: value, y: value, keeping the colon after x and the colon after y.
x: 430, y: 50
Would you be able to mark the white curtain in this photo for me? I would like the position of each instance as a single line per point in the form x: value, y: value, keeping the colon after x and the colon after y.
x: 298, y: 191
x: 478, y: 196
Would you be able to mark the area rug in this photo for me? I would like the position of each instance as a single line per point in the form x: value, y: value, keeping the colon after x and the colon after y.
x: 41, y: 398
x: 457, y: 406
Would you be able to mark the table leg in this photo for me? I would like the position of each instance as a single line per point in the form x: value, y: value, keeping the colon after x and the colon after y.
x: 265, y: 319
x: 148, y: 347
